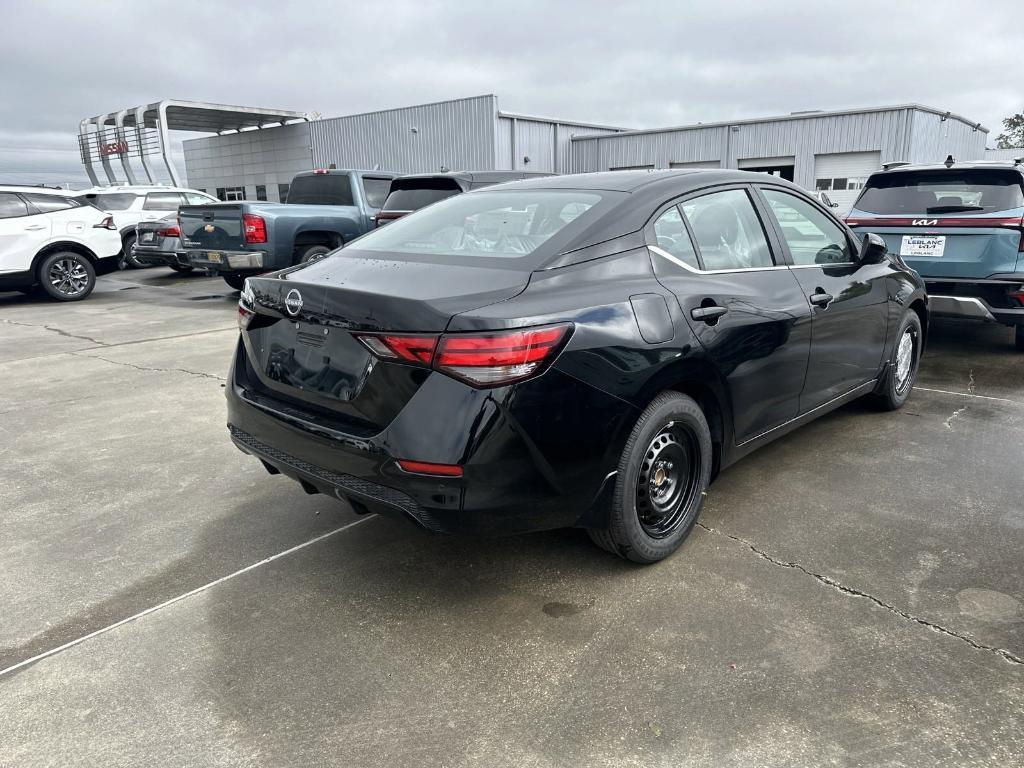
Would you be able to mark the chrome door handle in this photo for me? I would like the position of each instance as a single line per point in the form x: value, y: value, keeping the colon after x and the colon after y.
x: 34, y: 228
x: 821, y: 299
x: 708, y: 314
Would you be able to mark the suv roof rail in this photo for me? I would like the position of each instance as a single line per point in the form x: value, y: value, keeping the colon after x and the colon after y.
x: 894, y: 164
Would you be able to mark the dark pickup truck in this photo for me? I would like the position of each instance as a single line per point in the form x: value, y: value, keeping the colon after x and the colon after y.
x: 325, y: 209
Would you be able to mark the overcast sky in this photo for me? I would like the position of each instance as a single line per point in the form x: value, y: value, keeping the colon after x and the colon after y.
x: 641, y: 64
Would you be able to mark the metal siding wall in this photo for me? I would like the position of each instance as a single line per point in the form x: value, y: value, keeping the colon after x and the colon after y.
x: 536, y: 139
x: 270, y: 156
x: 802, y: 138
x: 933, y: 138
x: 1004, y: 155
x: 454, y: 134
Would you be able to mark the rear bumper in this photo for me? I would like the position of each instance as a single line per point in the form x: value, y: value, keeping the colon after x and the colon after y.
x: 983, y: 300
x: 519, y: 474
x: 229, y: 261
x: 161, y: 258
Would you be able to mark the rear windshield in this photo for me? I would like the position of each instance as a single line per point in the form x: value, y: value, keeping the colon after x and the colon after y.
x: 413, y: 195
x: 981, y: 190
x: 483, y: 224
x: 111, y: 201
x: 321, y: 189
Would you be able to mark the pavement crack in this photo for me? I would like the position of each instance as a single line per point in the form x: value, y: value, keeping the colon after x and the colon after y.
x: 949, y: 422
x: 58, y: 331
x: 828, y: 581
x: 199, y: 374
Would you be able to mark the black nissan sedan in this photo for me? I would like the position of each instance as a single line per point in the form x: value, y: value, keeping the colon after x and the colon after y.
x: 584, y: 350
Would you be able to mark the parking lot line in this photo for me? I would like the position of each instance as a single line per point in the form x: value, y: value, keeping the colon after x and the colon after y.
x: 970, y: 394
x: 179, y: 598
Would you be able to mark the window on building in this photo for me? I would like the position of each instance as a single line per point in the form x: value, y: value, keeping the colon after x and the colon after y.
x: 261, y: 192
x: 12, y: 206
x: 839, y: 184
x: 47, y: 203
x: 812, y: 237
x: 727, y: 230
x: 231, y: 194
x: 282, y: 192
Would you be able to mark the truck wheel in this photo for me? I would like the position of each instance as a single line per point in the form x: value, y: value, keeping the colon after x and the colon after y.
x: 234, y: 279
x: 312, y: 253
x: 67, y: 276
x: 1018, y: 338
x: 128, y: 253
x: 659, y: 489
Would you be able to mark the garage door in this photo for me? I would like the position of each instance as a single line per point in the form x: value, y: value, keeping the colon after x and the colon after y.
x: 842, y: 176
x: 701, y: 164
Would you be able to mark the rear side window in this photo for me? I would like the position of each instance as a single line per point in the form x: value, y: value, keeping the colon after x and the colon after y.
x: 48, y: 203
x: 12, y: 206
x: 193, y: 199
x: 111, y: 201
x: 376, y: 190
x: 162, y: 201
x: 673, y: 237
x: 414, y: 194
x: 970, y: 190
x: 321, y: 189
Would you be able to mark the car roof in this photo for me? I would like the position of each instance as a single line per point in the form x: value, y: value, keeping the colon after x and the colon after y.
x: 30, y: 188
x: 1005, y: 165
x: 682, y: 179
x: 138, y: 189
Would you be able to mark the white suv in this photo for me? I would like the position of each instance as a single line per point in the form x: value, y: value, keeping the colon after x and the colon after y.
x: 48, y: 238
x: 130, y: 205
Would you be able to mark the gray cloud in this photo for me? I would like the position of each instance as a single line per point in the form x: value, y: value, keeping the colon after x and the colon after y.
x: 640, y: 64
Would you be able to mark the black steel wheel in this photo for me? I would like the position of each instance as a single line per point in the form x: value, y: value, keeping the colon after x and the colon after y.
x: 660, y: 482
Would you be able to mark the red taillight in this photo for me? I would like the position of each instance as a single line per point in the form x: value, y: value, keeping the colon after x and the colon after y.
x: 171, y: 231
x: 107, y: 223
x: 480, y: 359
x: 254, y: 228
x: 937, y: 222
x: 320, y: 171
x: 429, y: 468
x: 1017, y: 295
x: 245, y: 317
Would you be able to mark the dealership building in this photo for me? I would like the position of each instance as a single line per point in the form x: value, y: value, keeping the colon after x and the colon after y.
x: 254, y: 153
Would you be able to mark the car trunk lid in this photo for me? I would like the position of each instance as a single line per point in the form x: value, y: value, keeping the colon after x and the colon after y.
x: 212, y: 227
x: 302, y: 344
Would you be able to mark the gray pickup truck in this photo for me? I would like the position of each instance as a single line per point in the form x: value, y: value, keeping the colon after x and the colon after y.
x: 325, y: 209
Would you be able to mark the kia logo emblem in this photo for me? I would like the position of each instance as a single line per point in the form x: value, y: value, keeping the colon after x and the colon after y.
x: 293, y: 302
x: 925, y: 222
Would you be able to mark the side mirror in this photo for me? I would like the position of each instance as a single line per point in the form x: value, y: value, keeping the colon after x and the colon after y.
x: 872, y: 249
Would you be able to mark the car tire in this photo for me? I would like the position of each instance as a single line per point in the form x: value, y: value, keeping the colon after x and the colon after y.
x: 66, y: 276
x: 128, y: 253
x: 312, y: 253
x: 181, y: 268
x: 661, y: 480
x: 1018, y: 338
x: 898, y: 379
x: 234, y: 279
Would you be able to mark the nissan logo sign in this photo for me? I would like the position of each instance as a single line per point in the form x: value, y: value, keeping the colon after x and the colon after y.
x: 293, y: 302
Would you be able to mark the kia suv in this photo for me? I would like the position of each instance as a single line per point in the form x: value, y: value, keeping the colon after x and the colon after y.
x: 961, y: 227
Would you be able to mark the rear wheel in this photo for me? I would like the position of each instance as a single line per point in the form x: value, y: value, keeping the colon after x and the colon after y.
x: 234, y: 279
x: 312, y: 252
x: 66, y: 276
x: 1018, y: 338
x: 662, y: 475
x: 128, y: 253
x: 903, y: 363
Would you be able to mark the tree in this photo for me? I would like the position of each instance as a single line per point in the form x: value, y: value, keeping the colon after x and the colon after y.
x: 1013, y: 135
